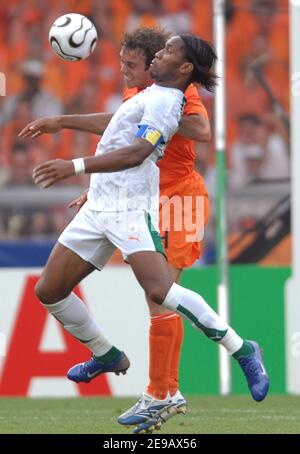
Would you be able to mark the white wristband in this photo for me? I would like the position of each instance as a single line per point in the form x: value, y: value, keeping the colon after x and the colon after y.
x: 79, y: 166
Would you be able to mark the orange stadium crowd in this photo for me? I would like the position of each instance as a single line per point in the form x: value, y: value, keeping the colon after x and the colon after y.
x: 38, y: 83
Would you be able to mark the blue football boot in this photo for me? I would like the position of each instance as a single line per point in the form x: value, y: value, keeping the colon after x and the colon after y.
x: 177, y: 404
x: 145, y: 409
x: 85, y: 372
x: 255, y: 373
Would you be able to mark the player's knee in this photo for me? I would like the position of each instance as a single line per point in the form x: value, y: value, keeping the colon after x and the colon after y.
x: 40, y: 291
x: 156, y: 309
x: 48, y: 294
x: 43, y: 292
x: 156, y: 294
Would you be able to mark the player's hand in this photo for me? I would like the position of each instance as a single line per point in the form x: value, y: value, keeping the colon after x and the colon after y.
x: 41, y: 126
x: 50, y: 172
x: 79, y: 202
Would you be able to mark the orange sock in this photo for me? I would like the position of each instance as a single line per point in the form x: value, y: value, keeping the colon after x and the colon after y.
x: 174, y: 366
x: 162, y: 336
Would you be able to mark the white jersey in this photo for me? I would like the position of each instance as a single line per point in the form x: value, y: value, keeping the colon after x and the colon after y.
x: 158, y: 109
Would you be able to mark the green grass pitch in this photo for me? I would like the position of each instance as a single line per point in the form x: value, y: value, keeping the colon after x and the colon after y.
x: 206, y: 415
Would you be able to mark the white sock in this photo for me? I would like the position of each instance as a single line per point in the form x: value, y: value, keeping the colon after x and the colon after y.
x: 77, y: 320
x: 195, y: 309
x: 231, y: 341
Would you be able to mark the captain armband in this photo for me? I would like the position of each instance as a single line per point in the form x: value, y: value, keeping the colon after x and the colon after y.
x: 150, y: 134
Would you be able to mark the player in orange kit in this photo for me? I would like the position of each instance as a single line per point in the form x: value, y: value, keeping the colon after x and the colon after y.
x: 178, y: 180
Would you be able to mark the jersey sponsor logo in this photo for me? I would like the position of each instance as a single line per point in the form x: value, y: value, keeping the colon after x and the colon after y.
x: 150, y: 134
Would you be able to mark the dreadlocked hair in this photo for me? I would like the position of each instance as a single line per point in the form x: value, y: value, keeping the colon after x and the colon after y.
x: 203, y: 56
x: 147, y: 39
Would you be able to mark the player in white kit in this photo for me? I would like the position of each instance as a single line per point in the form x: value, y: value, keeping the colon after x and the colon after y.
x: 124, y: 204
x: 121, y: 210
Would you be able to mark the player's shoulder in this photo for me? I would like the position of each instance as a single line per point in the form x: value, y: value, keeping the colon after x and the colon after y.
x: 129, y: 93
x: 167, y: 102
x: 153, y: 92
x: 160, y: 93
x: 193, y: 104
x: 191, y: 92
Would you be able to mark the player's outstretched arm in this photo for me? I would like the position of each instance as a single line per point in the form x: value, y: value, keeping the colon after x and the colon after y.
x: 51, y: 172
x: 195, y: 127
x: 94, y: 123
x: 41, y: 126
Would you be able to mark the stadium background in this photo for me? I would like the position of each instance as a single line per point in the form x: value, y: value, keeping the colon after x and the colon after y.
x: 35, y: 352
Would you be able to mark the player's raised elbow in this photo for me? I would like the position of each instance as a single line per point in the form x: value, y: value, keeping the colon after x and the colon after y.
x: 204, y: 133
x: 195, y: 127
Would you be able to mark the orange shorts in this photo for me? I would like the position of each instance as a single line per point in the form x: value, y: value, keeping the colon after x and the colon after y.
x: 184, y: 211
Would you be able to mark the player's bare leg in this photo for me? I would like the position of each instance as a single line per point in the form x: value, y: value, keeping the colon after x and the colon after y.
x: 63, y: 271
x: 156, y: 309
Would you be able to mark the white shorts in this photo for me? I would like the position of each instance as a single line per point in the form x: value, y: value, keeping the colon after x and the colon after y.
x: 95, y: 235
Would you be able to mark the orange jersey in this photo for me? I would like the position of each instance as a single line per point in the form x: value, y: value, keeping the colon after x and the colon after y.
x: 179, y: 159
x: 182, y: 227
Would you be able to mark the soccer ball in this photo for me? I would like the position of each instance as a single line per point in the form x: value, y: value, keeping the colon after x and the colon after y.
x: 73, y: 37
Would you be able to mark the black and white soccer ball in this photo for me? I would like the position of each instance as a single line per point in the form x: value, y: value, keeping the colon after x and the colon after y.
x: 73, y: 37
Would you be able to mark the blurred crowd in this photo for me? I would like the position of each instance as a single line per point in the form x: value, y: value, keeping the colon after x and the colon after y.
x: 41, y: 84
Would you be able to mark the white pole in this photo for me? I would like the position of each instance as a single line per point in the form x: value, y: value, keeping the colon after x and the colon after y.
x: 220, y: 141
x: 292, y: 307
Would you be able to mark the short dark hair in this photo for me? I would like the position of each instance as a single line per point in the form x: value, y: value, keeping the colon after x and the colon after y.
x: 148, y: 39
x: 203, y: 56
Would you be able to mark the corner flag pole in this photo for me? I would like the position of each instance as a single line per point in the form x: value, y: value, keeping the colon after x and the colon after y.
x: 220, y: 141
